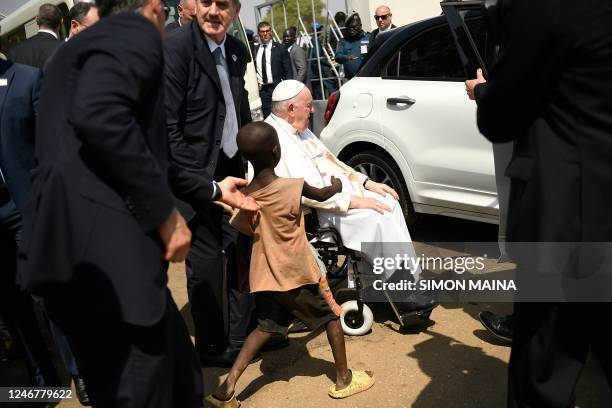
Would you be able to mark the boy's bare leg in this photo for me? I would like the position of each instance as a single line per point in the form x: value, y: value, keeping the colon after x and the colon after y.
x: 335, y: 336
x: 253, y: 343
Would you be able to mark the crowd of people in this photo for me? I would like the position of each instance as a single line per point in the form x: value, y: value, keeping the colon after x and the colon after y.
x: 125, y: 148
x: 307, y: 59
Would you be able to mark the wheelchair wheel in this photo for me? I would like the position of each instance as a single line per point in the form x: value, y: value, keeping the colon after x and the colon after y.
x: 352, y: 323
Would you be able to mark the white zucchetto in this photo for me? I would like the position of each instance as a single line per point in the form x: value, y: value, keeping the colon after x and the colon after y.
x: 286, y: 90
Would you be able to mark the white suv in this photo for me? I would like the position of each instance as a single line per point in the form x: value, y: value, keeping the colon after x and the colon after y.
x: 405, y: 120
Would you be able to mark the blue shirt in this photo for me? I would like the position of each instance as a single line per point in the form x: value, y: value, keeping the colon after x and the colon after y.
x: 346, y: 48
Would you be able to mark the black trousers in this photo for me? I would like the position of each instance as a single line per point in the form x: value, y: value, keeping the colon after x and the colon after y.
x: 134, y: 366
x: 265, y: 93
x: 18, y: 309
x: 550, y: 345
x: 221, y: 314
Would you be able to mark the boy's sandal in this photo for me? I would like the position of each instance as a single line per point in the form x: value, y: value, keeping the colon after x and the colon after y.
x: 217, y: 403
x: 361, y: 381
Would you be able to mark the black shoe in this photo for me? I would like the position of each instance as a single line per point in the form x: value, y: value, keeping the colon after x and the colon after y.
x: 499, y: 326
x: 419, y: 302
x: 225, y: 359
x: 81, y: 391
x: 415, y: 309
x: 277, y: 342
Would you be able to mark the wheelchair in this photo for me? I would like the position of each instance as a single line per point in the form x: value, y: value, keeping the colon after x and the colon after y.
x: 341, y: 264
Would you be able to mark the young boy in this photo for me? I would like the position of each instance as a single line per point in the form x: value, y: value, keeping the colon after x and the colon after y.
x: 284, y: 275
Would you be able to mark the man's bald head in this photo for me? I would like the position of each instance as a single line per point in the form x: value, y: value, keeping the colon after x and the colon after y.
x: 258, y: 143
x: 383, y: 16
x: 186, y: 10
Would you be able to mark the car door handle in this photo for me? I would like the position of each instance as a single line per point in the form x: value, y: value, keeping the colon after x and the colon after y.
x: 398, y: 101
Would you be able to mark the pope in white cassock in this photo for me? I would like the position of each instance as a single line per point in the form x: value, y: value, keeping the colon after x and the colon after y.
x: 365, y: 211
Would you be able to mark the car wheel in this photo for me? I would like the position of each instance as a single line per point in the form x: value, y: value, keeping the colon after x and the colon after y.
x: 381, y: 168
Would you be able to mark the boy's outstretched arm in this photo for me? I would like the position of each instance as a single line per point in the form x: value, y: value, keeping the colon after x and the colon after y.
x: 322, y: 194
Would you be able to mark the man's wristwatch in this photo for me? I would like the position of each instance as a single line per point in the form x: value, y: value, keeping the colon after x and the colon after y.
x: 217, y: 193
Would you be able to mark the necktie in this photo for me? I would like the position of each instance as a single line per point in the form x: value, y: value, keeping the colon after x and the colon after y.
x: 264, y: 68
x: 230, y: 125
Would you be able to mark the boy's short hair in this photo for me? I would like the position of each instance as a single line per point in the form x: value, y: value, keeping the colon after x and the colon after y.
x: 256, y: 141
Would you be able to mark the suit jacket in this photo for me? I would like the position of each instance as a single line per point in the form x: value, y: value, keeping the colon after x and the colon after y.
x: 299, y: 68
x: 553, y: 97
x: 101, y: 188
x: 172, y: 26
x: 195, y: 108
x: 375, y: 32
x: 281, y: 65
x: 18, y: 108
x: 35, y: 51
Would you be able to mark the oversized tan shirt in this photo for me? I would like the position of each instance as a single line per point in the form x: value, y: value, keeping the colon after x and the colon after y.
x: 281, y: 258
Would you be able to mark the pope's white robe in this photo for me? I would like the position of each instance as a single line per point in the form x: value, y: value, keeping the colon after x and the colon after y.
x: 305, y: 156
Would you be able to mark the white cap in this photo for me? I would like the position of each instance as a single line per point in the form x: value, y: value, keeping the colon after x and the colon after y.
x: 286, y: 90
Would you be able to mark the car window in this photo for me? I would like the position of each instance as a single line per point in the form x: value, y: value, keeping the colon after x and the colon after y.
x: 431, y: 55
x: 477, y: 29
x: 478, y: 34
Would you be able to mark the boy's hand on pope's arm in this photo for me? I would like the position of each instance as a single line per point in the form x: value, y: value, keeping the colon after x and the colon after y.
x: 336, y: 185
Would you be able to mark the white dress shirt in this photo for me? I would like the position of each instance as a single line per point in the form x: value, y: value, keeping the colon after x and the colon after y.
x: 230, y: 124
x: 43, y: 30
x: 268, y: 49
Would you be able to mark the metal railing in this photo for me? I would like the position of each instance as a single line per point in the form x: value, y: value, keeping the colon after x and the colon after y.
x: 318, y: 50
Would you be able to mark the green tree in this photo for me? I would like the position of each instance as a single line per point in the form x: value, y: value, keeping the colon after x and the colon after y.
x: 292, y: 15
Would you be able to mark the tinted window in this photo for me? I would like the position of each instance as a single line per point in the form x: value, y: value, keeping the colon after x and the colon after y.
x: 431, y: 55
x: 478, y: 31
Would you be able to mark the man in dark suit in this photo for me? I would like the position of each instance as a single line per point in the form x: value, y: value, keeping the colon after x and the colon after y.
x: 206, y: 104
x: 272, y: 64
x: 101, y: 222
x: 36, y: 50
x: 383, y: 18
x: 19, y: 95
x: 551, y: 92
x: 185, y: 10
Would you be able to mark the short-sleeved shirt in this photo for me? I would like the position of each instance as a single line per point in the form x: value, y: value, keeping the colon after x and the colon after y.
x: 281, y: 257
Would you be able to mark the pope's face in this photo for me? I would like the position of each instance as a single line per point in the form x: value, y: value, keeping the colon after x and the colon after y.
x: 302, y: 110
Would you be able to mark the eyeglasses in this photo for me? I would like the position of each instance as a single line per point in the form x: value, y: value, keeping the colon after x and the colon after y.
x: 265, y: 31
x: 383, y: 17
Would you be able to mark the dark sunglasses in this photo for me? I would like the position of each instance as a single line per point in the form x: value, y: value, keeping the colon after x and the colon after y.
x: 383, y: 17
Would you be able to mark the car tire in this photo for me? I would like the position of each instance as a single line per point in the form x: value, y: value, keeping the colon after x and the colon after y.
x: 353, y: 326
x: 381, y: 168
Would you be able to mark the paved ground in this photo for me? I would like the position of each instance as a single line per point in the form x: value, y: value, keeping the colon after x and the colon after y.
x: 452, y: 363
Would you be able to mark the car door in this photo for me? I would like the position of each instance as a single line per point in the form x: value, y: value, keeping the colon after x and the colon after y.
x: 428, y: 117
